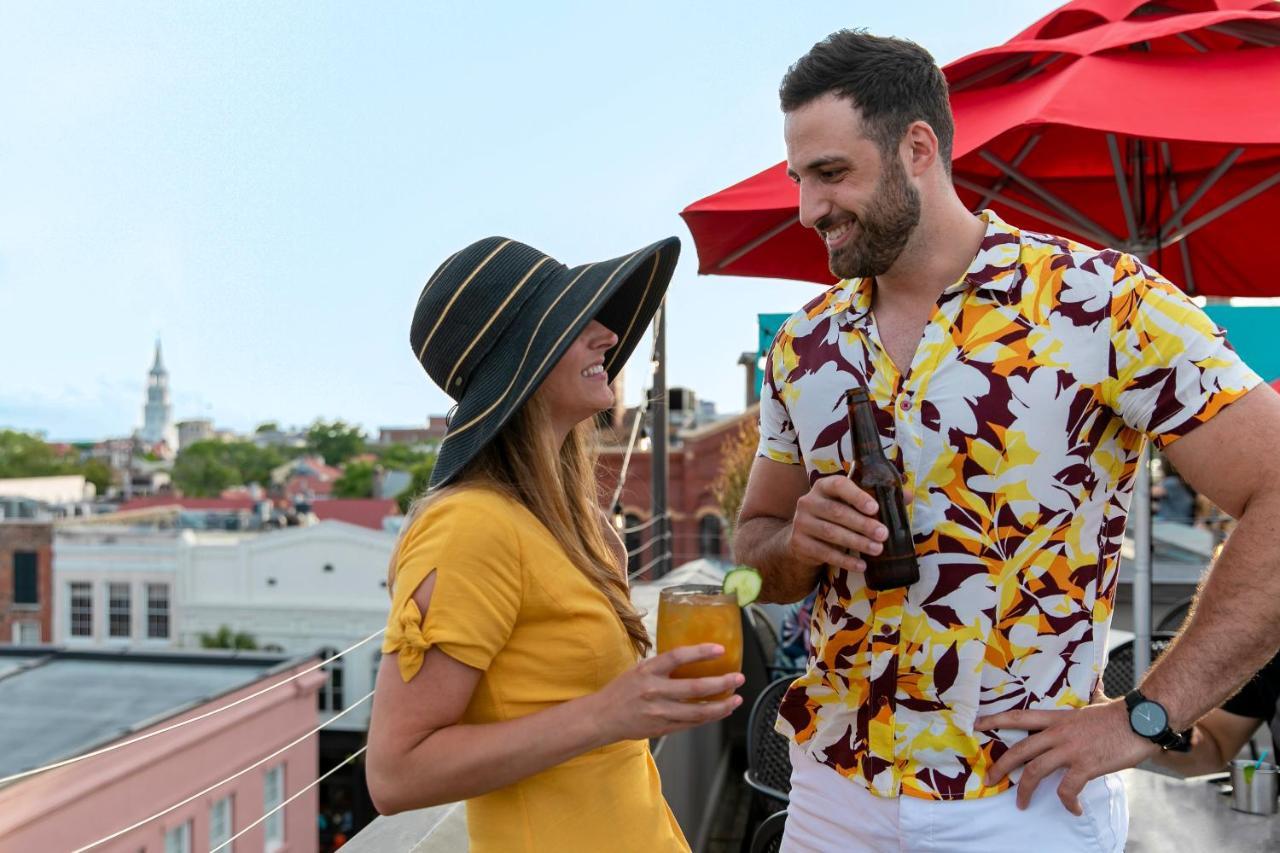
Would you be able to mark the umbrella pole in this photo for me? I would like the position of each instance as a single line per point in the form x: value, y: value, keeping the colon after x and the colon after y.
x: 1140, y: 513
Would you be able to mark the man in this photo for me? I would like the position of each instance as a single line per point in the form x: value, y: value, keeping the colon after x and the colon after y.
x: 1017, y: 377
x: 1220, y: 735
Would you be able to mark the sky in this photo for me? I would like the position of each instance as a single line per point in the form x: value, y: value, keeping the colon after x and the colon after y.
x: 267, y: 186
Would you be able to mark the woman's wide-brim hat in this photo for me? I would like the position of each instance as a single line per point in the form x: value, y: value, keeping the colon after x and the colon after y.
x: 496, y: 317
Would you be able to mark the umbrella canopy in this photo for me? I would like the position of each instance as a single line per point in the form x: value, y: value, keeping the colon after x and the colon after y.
x: 1144, y: 126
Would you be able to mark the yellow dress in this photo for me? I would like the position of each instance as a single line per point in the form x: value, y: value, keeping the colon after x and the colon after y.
x: 508, y: 602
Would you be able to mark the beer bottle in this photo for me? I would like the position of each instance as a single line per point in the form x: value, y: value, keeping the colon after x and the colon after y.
x: 872, y: 471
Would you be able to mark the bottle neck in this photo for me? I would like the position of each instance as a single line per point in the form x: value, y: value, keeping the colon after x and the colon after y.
x: 862, y: 423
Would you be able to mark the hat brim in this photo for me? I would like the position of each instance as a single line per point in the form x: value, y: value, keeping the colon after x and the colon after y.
x: 623, y: 294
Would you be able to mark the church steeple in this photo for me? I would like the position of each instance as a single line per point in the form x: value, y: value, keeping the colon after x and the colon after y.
x: 157, y: 414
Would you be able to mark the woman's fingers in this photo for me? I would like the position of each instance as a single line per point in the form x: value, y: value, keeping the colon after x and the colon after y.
x: 664, y: 664
x: 701, y: 688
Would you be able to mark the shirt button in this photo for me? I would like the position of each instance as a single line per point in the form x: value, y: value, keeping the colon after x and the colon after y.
x: 883, y: 700
x: 904, y: 402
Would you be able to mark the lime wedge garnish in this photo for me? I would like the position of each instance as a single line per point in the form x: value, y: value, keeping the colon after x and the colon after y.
x: 743, y: 582
x: 1248, y: 773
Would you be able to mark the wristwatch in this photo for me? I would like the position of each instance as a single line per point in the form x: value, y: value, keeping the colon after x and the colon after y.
x: 1150, y: 720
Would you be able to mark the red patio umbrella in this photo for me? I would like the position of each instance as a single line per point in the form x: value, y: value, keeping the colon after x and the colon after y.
x: 1150, y: 127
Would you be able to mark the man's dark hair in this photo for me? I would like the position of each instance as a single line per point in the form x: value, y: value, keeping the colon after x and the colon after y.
x: 892, y: 82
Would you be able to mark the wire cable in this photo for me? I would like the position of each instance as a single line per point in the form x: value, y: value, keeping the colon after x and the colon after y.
x: 645, y: 524
x: 647, y: 566
x: 640, y: 548
x: 344, y: 762
x: 233, y: 776
x: 122, y: 744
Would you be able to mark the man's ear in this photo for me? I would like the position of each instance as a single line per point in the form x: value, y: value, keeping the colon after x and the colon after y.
x: 919, y: 148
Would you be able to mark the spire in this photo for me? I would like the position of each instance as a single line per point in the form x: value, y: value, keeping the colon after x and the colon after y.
x: 158, y: 367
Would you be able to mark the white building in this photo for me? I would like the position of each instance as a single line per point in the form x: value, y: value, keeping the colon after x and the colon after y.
x: 115, y: 586
x: 304, y: 590
x: 301, y: 590
x: 193, y: 430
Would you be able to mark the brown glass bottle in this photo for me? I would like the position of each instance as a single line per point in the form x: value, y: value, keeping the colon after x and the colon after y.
x: 872, y: 471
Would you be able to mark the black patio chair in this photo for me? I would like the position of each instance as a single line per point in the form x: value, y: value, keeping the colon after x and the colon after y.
x: 768, y: 836
x: 768, y: 759
x: 1118, y: 677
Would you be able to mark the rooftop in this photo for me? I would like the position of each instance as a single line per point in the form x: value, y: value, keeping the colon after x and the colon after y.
x: 56, y: 703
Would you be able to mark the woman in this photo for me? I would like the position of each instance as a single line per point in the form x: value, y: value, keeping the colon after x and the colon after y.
x: 510, y: 675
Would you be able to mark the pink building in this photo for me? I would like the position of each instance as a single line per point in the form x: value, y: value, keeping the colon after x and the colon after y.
x: 55, y: 704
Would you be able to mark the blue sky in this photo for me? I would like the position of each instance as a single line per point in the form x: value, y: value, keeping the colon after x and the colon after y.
x: 267, y: 186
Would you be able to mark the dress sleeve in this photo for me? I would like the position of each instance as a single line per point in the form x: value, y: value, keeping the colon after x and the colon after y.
x: 1171, y: 366
x: 468, y: 540
x: 778, y: 439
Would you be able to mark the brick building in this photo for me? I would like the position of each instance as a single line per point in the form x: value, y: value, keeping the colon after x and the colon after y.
x: 26, y: 582
x: 698, y: 526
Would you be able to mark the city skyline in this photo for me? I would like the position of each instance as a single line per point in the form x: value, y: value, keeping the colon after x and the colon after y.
x: 268, y: 188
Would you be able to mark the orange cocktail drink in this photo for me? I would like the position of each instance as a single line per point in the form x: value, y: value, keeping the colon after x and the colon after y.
x: 692, y: 614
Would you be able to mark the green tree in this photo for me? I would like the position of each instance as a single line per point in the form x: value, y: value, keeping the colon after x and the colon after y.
x: 206, y: 468
x: 26, y: 455
x: 225, y: 638
x: 97, y: 472
x: 336, y: 442
x: 730, y: 485
x: 401, y: 457
x: 418, y: 485
x: 268, y: 426
x: 356, y: 481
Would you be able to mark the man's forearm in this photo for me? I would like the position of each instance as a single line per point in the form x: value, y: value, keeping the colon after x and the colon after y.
x: 763, y: 542
x: 1235, y: 625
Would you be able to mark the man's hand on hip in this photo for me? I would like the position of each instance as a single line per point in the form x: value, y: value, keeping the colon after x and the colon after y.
x: 1085, y: 742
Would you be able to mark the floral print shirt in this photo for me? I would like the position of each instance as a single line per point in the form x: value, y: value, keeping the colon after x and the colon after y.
x: 1018, y: 425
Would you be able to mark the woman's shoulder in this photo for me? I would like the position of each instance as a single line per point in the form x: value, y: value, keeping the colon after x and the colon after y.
x: 468, y: 510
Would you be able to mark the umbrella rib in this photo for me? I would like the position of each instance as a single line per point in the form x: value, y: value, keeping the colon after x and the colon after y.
x: 756, y: 243
x: 1184, y: 250
x: 1192, y: 41
x: 1212, y: 178
x: 1049, y: 198
x: 1004, y: 180
x: 973, y: 186
x: 999, y: 67
x: 1123, y: 186
x: 1225, y: 208
x: 1036, y: 69
x: 1259, y: 34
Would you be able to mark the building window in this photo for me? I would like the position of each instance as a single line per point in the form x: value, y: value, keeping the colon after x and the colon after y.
x: 81, y: 597
x: 272, y: 797
x: 118, y: 618
x: 178, y: 839
x: 26, y: 587
x: 710, y: 536
x: 330, y: 696
x: 221, y: 826
x: 158, y: 611
x: 26, y: 633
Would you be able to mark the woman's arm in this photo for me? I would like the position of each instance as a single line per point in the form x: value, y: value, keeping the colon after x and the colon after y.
x: 421, y: 755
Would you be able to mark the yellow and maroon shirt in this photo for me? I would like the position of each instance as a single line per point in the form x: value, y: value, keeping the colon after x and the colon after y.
x: 1018, y: 426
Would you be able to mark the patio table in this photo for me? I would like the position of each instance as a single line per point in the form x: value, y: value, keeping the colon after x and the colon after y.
x: 1171, y: 813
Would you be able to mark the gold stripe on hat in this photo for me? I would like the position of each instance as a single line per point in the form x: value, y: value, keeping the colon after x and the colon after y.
x: 426, y: 288
x: 493, y: 317
x: 532, y: 337
x: 657, y: 259
x: 452, y: 299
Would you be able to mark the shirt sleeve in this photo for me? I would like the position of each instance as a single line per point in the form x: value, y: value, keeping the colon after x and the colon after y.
x: 778, y: 439
x: 1171, y: 366
x: 1258, y: 697
x: 474, y: 552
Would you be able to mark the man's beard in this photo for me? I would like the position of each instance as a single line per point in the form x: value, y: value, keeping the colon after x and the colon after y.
x: 883, y: 231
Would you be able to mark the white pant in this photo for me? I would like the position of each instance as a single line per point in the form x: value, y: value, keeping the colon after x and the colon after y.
x: 831, y: 814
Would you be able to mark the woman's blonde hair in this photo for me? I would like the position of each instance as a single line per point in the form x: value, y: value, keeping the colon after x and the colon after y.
x: 557, y: 485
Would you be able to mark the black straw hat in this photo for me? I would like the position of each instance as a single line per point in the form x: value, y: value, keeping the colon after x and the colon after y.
x: 496, y: 317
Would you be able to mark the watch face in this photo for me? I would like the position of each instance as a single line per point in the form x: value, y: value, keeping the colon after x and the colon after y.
x: 1148, y: 719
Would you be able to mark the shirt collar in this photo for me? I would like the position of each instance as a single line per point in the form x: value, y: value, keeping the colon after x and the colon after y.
x: 994, y: 268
